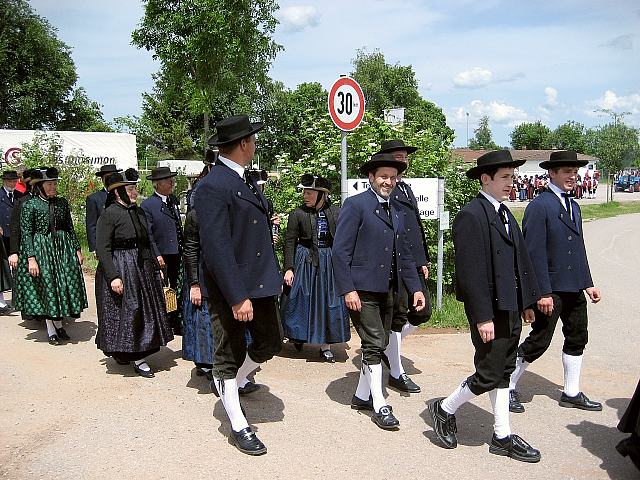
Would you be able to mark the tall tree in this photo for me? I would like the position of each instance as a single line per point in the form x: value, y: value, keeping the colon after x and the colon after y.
x: 531, y: 136
x: 616, y: 145
x: 483, y: 139
x: 570, y: 136
x: 38, y: 76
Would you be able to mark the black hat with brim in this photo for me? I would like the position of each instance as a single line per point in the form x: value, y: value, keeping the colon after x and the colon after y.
x: 160, y: 173
x: 44, y: 175
x: 129, y: 177
x: 491, y: 160
x: 234, y: 128
x: 391, y: 146
x: 563, y: 158
x: 107, y: 170
x: 10, y: 175
x: 311, y: 182
x: 382, y: 160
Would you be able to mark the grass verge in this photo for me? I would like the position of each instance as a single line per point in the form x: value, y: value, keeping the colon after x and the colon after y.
x: 450, y: 316
x: 595, y: 211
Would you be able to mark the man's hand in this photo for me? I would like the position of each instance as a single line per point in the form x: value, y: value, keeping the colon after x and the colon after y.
x: 425, y: 271
x: 486, y: 331
x: 13, y: 261
x: 34, y: 269
x: 161, y: 261
x: 418, y: 301
x: 594, y: 294
x: 288, y: 278
x: 528, y: 315
x: 117, y: 286
x: 352, y: 299
x: 545, y: 305
x: 243, y: 311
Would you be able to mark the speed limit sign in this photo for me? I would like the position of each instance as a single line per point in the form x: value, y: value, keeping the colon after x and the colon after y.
x: 346, y: 104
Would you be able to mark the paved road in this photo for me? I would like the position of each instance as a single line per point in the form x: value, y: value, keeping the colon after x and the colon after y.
x: 67, y: 412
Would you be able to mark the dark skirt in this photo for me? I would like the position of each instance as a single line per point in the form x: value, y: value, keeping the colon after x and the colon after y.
x: 630, y: 421
x: 134, y: 322
x: 6, y: 281
x: 197, y: 335
x: 313, y: 312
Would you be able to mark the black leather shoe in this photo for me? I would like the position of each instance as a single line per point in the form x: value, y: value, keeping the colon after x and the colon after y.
x: 514, y: 402
x: 403, y: 383
x: 579, y: 401
x: 444, y: 424
x: 514, y: 447
x: 62, y: 334
x: 54, y: 340
x: 385, y: 418
x: 359, y: 404
x: 143, y: 373
x: 247, y: 442
x: 200, y: 372
x: 250, y: 387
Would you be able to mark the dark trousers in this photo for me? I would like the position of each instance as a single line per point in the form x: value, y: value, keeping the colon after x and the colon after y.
x: 373, y: 323
x: 571, y: 308
x: 172, y: 263
x: 230, y: 348
x: 495, y: 361
x: 403, y: 310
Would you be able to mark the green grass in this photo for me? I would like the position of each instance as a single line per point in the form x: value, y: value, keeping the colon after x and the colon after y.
x: 450, y: 316
x: 595, y: 211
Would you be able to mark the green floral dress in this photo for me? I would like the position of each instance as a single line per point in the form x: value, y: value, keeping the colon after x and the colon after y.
x: 48, y: 235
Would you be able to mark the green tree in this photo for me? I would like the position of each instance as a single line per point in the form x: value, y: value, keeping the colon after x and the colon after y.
x: 531, y: 136
x: 569, y: 136
x: 615, y: 144
x: 483, y: 139
x: 38, y: 76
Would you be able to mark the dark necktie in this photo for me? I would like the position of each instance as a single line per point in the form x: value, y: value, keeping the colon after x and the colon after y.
x: 385, y: 206
x: 251, y: 185
x: 567, y: 204
x: 10, y: 194
x: 504, y: 217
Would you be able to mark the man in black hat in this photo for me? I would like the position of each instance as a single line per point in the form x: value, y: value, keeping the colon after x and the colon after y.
x: 552, y: 227
x: 165, y: 233
x: 95, y: 204
x: 495, y: 280
x: 371, y: 258
x: 405, y: 319
x: 240, y: 271
x: 8, y: 196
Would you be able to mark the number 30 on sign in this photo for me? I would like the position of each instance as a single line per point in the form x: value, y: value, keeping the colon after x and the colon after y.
x: 346, y: 104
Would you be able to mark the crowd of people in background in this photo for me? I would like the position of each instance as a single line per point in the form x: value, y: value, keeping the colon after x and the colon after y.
x: 527, y: 187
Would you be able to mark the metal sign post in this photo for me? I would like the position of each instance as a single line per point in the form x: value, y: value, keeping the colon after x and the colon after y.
x: 343, y: 167
x: 440, y: 241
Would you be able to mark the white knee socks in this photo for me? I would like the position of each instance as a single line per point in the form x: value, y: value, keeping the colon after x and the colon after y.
x: 572, y: 366
x: 500, y: 402
x: 363, y: 390
x: 460, y: 396
x: 393, y: 354
x: 374, y: 376
x: 51, y: 329
x: 521, y: 366
x: 228, y: 390
x: 245, y: 369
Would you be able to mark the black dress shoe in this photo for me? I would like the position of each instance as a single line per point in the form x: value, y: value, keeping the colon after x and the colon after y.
x: 385, y: 418
x: 54, y: 340
x: 250, y: 387
x: 62, y: 334
x: 247, y: 442
x: 579, y: 401
x: 514, y: 402
x: 200, y: 372
x: 143, y: 373
x: 359, y: 404
x: 514, y: 447
x: 403, y: 383
x: 444, y: 424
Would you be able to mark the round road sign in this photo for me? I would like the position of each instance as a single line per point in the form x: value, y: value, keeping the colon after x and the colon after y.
x: 346, y: 104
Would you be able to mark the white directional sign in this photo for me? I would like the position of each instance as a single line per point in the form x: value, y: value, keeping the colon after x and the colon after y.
x: 425, y: 190
x: 346, y: 104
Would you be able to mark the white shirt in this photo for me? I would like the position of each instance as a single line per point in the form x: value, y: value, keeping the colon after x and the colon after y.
x: 558, y: 191
x: 496, y: 204
x: 163, y: 197
x: 239, y: 169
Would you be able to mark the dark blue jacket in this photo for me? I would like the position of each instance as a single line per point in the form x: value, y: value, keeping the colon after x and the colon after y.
x: 408, y: 206
x: 163, y: 231
x: 556, y: 245
x: 363, y: 247
x: 235, y: 236
x: 6, y: 207
x: 94, y: 208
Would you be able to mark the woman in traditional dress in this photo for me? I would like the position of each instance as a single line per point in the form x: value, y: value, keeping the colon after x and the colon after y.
x: 312, y: 312
x: 49, y: 278
x: 132, y: 320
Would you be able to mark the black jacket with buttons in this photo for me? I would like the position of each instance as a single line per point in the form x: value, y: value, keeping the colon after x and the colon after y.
x: 408, y: 205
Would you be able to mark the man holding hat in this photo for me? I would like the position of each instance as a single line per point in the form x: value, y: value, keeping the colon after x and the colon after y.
x: 165, y: 233
x: 405, y: 319
x: 240, y: 271
x: 552, y: 227
x: 496, y: 282
x: 371, y: 259
x: 95, y: 204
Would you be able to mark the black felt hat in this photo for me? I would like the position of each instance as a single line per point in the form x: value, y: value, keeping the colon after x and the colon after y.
x: 311, y: 182
x: 390, y: 146
x: 494, y: 159
x: 107, y: 170
x: 44, y: 175
x: 234, y: 128
x: 563, y: 158
x: 382, y: 160
x: 160, y: 173
x: 128, y: 177
x: 10, y: 175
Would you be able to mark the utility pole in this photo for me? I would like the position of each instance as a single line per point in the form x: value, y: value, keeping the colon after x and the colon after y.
x: 467, y: 129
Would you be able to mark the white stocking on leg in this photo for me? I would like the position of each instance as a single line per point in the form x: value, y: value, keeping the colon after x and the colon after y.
x: 572, y: 366
x: 393, y: 354
x: 500, y: 402
x: 245, y: 370
x: 228, y: 390
x: 374, y: 375
x: 51, y: 329
x: 363, y: 391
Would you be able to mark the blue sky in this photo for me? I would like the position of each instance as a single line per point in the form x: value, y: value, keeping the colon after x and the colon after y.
x: 514, y: 61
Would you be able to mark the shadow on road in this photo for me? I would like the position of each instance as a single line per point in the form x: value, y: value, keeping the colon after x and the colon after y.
x: 532, y: 384
x: 262, y: 406
x: 619, y: 405
x: 311, y: 353
x: 78, y: 330
x: 161, y: 361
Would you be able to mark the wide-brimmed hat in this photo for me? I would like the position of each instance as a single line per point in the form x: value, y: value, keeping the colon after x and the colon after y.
x: 128, y: 177
x: 234, y: 128
x: 10, y: 175
x: 160, y: 173
x: 390, y: 146
x: 382, y: 160
x: 44, y: 175
x: 563, y: 158
x: 491, y: 160
x: 107, y: 170
x: 311, y: 182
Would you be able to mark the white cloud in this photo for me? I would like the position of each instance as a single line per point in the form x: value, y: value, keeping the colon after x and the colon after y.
x: 498, y: 112
x: 298, y: 17
x: 621, y: 42
x: 551, y: 99
x: 475, y: 78
x: 624, y: 103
